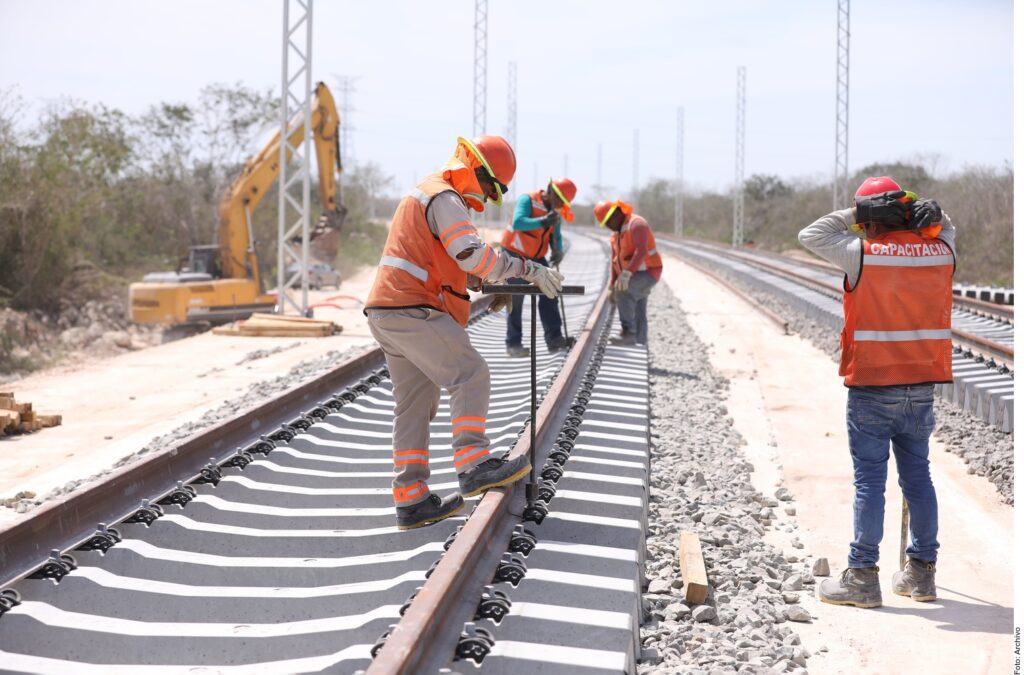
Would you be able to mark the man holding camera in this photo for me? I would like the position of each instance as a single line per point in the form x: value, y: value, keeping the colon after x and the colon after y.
x: 896, y: 345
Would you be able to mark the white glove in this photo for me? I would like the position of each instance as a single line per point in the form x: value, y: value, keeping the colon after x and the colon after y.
x: 622, y: 283
x: 549, y: 281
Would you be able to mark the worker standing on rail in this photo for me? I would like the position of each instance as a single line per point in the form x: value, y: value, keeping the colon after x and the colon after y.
x: 636, y: 267
x: 418, y: 309
x: 896, y: 345
x: 536, y: 226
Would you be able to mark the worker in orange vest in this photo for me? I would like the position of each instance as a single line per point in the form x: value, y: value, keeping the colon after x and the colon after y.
x: 896, y: 345
x: 636, y: 267
x: 534, y: 228
x: 418, y: 309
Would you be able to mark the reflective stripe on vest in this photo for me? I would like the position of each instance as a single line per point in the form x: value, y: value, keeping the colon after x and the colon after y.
x: 897, y: 328
x: 411, y: 268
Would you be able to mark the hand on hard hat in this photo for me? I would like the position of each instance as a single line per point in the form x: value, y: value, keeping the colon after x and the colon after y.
x: 886, y: 208
x: 925, y: 213
x: 549, y: 281
x: 622, y: 283
x: 499, y: 303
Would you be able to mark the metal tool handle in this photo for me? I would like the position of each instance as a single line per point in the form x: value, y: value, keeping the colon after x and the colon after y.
x: 526, y: 289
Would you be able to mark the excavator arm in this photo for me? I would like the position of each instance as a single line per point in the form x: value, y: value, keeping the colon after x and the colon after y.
x: 237, y: 247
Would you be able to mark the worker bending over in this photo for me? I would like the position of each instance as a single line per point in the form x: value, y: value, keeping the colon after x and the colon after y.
x: 896, y: 345
x: 636, y: 267
x: 418, y: 310
x: 536, y: 226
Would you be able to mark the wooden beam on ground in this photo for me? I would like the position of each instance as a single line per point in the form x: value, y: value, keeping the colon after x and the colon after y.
x: 692, y: 569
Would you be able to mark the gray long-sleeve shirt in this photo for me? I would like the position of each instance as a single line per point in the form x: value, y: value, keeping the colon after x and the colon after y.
x: 448, y: 218
x: 830, y: 237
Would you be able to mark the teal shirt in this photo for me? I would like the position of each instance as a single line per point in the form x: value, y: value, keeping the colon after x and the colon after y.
x: 522, y: 222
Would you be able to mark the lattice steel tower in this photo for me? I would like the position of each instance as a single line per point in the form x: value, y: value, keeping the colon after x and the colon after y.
x: 480, y: 69
x: 738, y: 186
x: 841, y: 176
x: 679, y: 172
x: 296, y: 90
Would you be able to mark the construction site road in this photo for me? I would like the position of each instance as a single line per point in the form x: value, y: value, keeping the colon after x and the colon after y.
x: 789, y: 404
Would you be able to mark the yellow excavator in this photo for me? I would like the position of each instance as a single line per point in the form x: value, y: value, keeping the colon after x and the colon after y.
x: 221, y: 282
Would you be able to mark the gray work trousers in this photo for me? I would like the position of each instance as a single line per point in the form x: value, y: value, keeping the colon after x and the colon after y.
x: 426, y: 350
x: 632, y: 304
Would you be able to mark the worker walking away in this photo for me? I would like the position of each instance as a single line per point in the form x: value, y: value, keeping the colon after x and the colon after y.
x: 534, y: 229
x: 896, y: 345
x: 418, y: 309
x: 636, y: 267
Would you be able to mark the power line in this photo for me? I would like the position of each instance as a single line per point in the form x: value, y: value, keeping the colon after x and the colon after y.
x: 840, y: 175
x: 480, y: 69
x: 738, y: 186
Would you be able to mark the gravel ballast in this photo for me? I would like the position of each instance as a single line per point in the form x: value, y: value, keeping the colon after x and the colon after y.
x: 700, y: 482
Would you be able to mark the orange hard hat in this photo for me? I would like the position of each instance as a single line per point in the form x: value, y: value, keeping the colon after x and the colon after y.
x: 604, y: 210
x: 874, y: 185
x: 496, y: 156
x: 564, y: 188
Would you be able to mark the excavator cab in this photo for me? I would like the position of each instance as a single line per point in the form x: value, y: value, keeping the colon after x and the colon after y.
x: 204, y: 260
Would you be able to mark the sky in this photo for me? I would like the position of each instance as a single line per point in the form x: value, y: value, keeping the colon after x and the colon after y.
x: 929, y: 79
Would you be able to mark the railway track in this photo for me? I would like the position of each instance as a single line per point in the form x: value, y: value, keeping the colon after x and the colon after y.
x: 282, y: 556
x: 982, y: 332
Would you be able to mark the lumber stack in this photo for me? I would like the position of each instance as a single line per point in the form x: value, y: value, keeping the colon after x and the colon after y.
x: 275, y: 325
x: 20, y: 418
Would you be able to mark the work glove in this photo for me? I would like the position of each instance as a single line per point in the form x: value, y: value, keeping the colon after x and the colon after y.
x: 557, y: 255
x: 925, y: 212
x: 549, y: 281
x: 474, y: 283
x: 499, y: 303
x: 551, y: 219
x: 622, y: 283
x: 884, y: 208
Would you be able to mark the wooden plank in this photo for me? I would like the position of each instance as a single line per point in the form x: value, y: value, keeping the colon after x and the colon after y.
x: 13, y: 417
x: 692, y: 569
x: 23, y: 407
x: 49, y: 420
x: 7, y: 401
x: 277, y: 318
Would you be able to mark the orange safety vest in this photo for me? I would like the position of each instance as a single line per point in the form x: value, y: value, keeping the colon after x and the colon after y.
x: 623, y: 248
x: 898, y: 318
x: 415, y: 270
x: 529, y: 243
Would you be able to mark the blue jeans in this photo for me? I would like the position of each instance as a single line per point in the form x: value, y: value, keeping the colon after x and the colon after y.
x: 550, y: 317
x: 876, y: 416
x: 632, y: 305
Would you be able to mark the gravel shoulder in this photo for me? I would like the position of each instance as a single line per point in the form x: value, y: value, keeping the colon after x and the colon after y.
x: 783, y: 406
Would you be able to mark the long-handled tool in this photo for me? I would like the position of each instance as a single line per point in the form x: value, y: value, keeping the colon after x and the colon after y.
x: 569, y: 341
x: 533, y: 292
x: 905, y: 525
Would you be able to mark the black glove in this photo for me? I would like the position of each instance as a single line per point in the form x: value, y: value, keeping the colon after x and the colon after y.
x: 924, y: 212
x: 551, y: 219
x: 884, y: 208
x: 557, y: 255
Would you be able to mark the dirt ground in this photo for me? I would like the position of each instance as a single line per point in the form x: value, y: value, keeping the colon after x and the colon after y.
x: 789, y: 404
x: 112, y: 407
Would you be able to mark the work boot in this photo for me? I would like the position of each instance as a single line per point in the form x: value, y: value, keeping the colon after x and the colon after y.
x: 557, y: 344
x: 857, y: 586
x: 493, y: 473
x: 517, y: 351
x: 915, y: 581
x: 431, y: 510
x: 627, y: 338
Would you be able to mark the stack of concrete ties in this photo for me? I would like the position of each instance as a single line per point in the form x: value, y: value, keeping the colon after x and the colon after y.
x: 982, y: 390
x: 578, y: 608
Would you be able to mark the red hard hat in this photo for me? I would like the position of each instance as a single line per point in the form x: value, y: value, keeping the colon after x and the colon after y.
x: 496, y: 155
x: 876, y: 185
x: 565, y: 189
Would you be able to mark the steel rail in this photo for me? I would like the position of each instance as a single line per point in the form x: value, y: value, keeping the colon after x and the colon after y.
x: 64, y: 524
x: 425, y: 638
x: 991, y: 348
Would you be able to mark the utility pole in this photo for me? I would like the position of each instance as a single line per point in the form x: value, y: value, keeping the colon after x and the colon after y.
x: 510, y: 130
x: 738, y: 186
x: 679, y: 172
x: 480, y: 69
x: 296, y: 88
x: 841, y: 176
x: 636, y: 162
